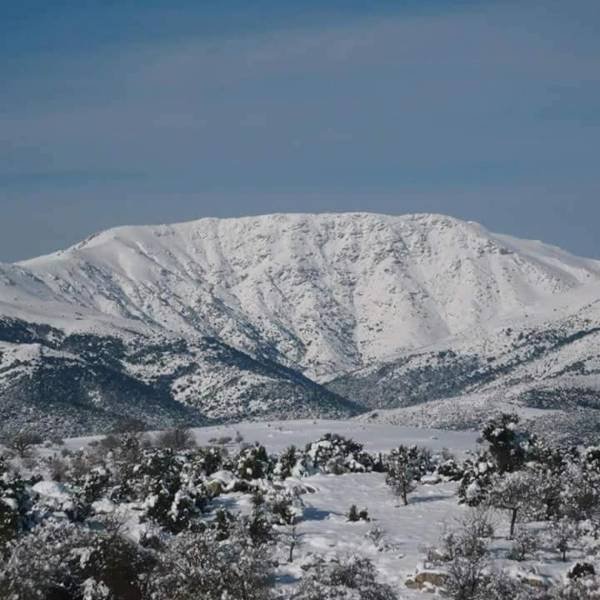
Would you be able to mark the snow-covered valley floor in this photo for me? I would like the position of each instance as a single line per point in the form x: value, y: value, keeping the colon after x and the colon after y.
x: 278, y: 435
x: 407, y: 530
x: 300, y: 480
x: 324, y: 529
x: 403, y: 532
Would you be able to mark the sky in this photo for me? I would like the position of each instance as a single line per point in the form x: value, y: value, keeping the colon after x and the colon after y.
x: 145, y: 112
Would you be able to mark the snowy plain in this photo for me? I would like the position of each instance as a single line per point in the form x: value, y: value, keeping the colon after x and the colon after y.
x: 405, y: 532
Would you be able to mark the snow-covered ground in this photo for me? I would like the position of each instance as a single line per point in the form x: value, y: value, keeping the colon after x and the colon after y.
x: 278, y: 435
x: 405, y: 531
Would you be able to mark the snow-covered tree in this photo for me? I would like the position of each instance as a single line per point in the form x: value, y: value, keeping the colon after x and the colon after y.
x: 580, y: 487
x: 562, y: 533
x: 15, y: 504
x: 405, y: 466
x: 509, y: 445
x: 476, y: 482
x: 258, y: 525
x: 287, y: 461
x: 515, y: 492
x: 525, y: 544
x: 22, y: 442
x: 253, y: 462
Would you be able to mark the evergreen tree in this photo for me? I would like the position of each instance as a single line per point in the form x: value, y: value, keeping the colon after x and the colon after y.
x: 509, y: 445
x: 404, y: 467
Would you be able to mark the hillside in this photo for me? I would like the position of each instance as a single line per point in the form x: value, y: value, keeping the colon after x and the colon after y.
x: 250, y: 317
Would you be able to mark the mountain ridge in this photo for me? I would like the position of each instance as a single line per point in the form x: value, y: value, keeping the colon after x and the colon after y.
x: 293, y: 255
x: 294, y: 301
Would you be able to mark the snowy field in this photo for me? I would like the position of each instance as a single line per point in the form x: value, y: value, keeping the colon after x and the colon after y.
x: 278, y: 435
x: 406, y: 530
x: 324, y: 529
x: 395, y: 538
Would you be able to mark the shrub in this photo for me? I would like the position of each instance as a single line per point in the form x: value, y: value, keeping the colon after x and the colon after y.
x: 336, y: 454
x: 343, y: 579
x: 62, y: 560
x: 355, y: 515
x: 176, y: 439
x: 525, y: 544
x: 202, y: 565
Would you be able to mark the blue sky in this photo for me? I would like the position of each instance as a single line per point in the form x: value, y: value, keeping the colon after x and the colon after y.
x: 122, y: 112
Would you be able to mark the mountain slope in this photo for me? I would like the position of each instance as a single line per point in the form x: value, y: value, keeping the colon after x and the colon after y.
x: 237, y: 318
x: 545, y: 366
x: 324, y: 294
x: 77, y: 383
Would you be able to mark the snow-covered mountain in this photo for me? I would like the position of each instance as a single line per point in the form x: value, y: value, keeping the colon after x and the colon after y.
x: 346, y: 298
x: 324, y: 293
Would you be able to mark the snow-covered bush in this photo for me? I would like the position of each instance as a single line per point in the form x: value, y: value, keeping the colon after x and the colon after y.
x: 498, y: 585
x: 289, y: 463
x: 66, y: 561
x: 354, y: 515
x: 202, y: 565
x: 170, y: 498
x: 509, y: 445
x: 581, y: 569
x: 259, y: 524
x: 562, y: 533
x: 525, y: 544
x: 580, y: 487
x: 15, y: 504
x: 57, y: 468
x: 336, y: 454
x: 462, y: 555
x: 209, y: 460
x: 449, y: 469
x: 253, y: 462
x: 284, y: 506
x: 352, y: 579
x: 581, y: 588
x: 94, y: 485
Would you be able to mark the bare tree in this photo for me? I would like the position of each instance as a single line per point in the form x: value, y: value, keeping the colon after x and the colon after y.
x: 563, y: 532
x: 514, y: 492
x: 178, y: 438
x: 291, y: 539
x: 22, y: 442
x: 463, y: 553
